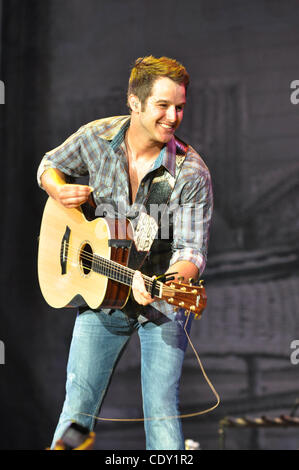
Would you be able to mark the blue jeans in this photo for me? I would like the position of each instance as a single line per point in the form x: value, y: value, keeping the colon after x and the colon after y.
x: 98, y: 339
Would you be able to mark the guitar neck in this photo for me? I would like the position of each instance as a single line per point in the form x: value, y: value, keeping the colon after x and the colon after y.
x: 124, y: 275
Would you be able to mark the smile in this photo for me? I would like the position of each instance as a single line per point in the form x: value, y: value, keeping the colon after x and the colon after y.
x: 166, y: 126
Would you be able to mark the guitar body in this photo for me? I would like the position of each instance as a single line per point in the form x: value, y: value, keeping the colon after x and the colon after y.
x: 67, y: 242
x: 92, y: 263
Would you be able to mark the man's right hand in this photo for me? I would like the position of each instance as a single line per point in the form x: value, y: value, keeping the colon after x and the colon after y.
x: 72, y: 195
x: 69, y: 195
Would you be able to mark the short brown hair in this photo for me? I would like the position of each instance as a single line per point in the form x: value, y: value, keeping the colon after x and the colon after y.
x: 147, y: 70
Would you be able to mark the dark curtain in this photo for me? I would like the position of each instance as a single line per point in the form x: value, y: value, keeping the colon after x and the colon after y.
x: 23, y: 139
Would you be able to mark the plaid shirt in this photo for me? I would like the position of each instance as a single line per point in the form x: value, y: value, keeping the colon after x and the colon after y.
x: 98, y: 150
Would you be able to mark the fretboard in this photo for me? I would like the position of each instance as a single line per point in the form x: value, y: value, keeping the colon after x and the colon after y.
x: 122, y: 274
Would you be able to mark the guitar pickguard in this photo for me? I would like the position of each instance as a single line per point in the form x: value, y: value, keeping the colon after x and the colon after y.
x: 64, y: 249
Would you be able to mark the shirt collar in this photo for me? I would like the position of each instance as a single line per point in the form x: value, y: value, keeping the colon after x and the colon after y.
x: 119, y: 137
x: 167, y: 157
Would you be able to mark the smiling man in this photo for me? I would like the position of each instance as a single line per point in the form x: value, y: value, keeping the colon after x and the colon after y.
x: 137, y: 160
x: 158, y: 118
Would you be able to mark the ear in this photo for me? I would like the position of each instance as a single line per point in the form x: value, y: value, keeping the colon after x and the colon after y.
x: 134, y: 103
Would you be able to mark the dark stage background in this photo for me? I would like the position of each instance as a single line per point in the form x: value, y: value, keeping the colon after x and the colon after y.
x: 65, y: 63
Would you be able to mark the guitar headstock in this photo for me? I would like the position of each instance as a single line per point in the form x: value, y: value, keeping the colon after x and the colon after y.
x: 188, y: 296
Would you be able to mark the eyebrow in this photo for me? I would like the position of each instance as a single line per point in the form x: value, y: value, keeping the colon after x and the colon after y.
x: 168, y: 102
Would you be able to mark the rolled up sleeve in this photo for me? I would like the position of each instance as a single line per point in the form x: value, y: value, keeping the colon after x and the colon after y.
x: 68, y: 158
x: 191, y: 222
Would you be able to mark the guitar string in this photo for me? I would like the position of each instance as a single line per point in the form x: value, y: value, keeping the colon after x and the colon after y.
x: 110, y: 264
x: 182, y: 416
x: 167, y: 290
x: 117, y: 266
x: 120, y: 269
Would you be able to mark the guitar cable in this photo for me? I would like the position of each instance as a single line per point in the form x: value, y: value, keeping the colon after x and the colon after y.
x: 186, y: 415
x: 167, y: 277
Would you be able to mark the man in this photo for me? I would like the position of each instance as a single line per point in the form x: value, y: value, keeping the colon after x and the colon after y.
x: 125, y: 157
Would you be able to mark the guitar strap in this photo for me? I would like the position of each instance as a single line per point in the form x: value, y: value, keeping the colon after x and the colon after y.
x: 149, y: 223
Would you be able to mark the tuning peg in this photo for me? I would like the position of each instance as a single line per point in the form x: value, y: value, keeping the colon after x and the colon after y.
x: 180, y: 279
x: 191, y: 280
x: 201, y: 282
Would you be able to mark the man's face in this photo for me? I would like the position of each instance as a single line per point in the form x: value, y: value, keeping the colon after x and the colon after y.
x: 163, y: 110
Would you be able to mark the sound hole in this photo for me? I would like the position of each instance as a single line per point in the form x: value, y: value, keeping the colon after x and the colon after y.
x: 86, y: 258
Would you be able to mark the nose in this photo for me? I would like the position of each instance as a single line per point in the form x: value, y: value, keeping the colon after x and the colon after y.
x: 171, y: 114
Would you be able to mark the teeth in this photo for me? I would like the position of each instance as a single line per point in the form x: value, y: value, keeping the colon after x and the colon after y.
x: 166, y: 126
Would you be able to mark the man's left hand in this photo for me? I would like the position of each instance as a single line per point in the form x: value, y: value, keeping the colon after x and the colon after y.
x: 140, y: 293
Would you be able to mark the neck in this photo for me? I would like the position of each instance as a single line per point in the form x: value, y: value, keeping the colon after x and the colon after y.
x: 139, y: 145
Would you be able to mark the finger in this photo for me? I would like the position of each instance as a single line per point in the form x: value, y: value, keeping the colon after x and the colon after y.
x: 73, y: 202
x: 72, y: 195
x: 139, y: 291
x: 138, y: 282
x: 76, y: 189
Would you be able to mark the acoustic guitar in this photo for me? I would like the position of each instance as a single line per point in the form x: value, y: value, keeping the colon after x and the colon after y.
x: 85, y: 262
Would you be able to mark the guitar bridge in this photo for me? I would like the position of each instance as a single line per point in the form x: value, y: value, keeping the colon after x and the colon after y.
x: 119, y: 243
